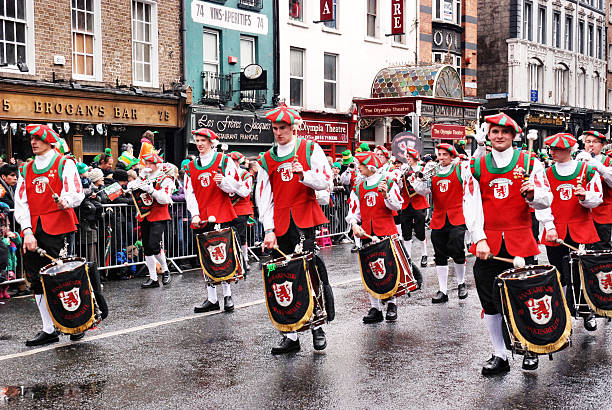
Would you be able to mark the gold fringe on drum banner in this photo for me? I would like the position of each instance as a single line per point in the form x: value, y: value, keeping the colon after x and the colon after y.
x: 551, y: 347
x: 392, y: 292
x: 237, y: 259
x: 598, y: 311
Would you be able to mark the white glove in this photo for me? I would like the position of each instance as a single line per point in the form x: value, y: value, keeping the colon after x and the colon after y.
x: 148, y: 188
x: 482, y: 132
x: 583, y: 156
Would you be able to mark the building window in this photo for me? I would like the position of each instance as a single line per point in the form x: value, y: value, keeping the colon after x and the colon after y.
x: 591, y: 41
x: 527, y: 21
x: 596, y: 91
x: 144, y: 43
x: 556, y: 30
x: 448, y: 10
x: 296, y: 77
x: 372, y: 30
x: 561, y: 84
x: 569, y: 33
x: 85, y: 39
x: 446, y: 58
x: 542, y: 25
x: 581, y: 37
x: 330, y: 85
x: 535, y: 80
x: 334, y: 22
x: 247, y: 51
x: 599, y: 43
x: 296, y: 10
x: 211, y: 51
x: 581, y: 89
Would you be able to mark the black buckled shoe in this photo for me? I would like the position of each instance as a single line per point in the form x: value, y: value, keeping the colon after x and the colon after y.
x: 391, y: 315
x: 318, y: 339
x: 424, y: 261
x: 495, y: 365
x: 228, y: 304
x: 286, y: 346
x: 166, y: 278
x: 207, y: 306
x: 43, y: 338
x: 354, y: 249
x: 530, y: 361
x: 440, y: 298
x: 373, y: 316
x: 590, y: 322
x: 150, y: 284
x: 462, y: 291
x: 77, y: 336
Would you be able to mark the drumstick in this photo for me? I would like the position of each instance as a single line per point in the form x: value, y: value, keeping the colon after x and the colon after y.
x: 517, y: 262
x: 53, y: 194
x: 281, y: 252
x: 43, y: 252
x: 561, y: 242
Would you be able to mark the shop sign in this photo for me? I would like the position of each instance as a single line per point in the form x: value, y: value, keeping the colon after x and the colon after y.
x: 543, y: 120
x: 229, y: 18
x: 324, y: 131
x: 233, y: 128
x: 447, y: 132
x: 385, y: 109
x: 45, y: 108
x: 397, y: 17
x: 449, y: 111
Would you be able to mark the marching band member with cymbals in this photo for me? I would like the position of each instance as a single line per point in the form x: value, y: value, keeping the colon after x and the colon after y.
x: 48, y: 189
x: 447, y: 223
x: 290, y: 174
x: 498, y: 218
x: 242, y: 204
x: 576, y: 189
x: 594, y: 142
x: 373, y: 203
x: 157, y: 190
x: 209, y: 180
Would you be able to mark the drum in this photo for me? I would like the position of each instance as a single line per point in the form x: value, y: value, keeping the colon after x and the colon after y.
x: 591, y: 282
x: 385, y: 269
x: 535, y: 309
x: 143, y: 202
x: 69, y: 295
x: 294, y: 293
x: 219, y: 255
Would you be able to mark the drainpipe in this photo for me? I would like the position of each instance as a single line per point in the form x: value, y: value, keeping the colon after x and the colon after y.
x: 183, y: 41
x: 276, y: 51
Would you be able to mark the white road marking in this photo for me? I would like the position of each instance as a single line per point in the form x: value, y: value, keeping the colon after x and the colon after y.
x: 143, y: 327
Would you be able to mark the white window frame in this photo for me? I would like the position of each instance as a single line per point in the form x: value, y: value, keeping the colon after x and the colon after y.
x: 437, y: 15
x: 536, y: 78
x: 561, y: 84
x: 328, y: 81
x: 376, y: 19
x: 580, y: 87
x: 542, y: 23
x: 568, y: 42
x: 456, y: 63
x: 97, y: 45
x: 596, y: 91
x: 556, y: 29
x: 154, y: 40
x: 30, y: 43
x: 528, y: 21
x: 302, y: 78
x: 253, y: 50
x: 216, y: 62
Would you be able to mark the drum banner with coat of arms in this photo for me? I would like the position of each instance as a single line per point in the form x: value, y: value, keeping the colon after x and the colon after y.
x: 596, y: 278
x: 289, y: 293
x: 218, y: 257
x: 70, y: 300
x: 538, y: 312
x: 379, y: 269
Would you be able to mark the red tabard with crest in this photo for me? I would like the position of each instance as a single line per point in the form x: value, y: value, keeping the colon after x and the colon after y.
x: 244, y: 205
x: 567, y: 211
x: 212, y: 201
x: 506, y: 213
x: 603, y: 213
x: 292, y: 199
x: 40, y: 198
x: 376, y: 218
x: 447, y: 193
x: 417, y: 201
x: 158, y: 212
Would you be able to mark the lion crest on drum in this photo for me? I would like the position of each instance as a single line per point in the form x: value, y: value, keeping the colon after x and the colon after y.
x: 71, y: 300
x: 283, y: 292
x: 286, y: 171
x: 218, y: 253
x: 378, y: 268
x: 540, y: 309
x: 605, y: 282
x: 40, y: 184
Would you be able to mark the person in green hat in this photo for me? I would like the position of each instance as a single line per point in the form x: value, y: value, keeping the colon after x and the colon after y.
x: 364, y: 147
x: 347, y: 158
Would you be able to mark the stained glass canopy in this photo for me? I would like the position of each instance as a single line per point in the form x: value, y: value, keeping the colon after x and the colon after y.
x: 441, y: 81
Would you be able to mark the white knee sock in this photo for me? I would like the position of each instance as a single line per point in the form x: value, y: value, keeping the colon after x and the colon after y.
x: 460, y: 273
x: 399, y: 229
x: 212, y: 294
x: 41, y: 302
x: 227, y: 289
x: 392, y: 300
x: 161, y: 258
x: 408, y: 246
x: 150, y: 262
x: 494, y: 324
x: 291, y: 335
x: 423, y: 247
x: 245, y: 254
x: 375, y: 303
x: 442, y: 272
x: 357, y: 242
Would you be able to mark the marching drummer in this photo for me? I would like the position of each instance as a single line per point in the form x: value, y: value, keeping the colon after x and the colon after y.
x: 156, y: 189
x: 594, y: 142
x: 447, y: 223
x: 290, y: 174
x: 498, y: 218
x: 242, y: 204
x: 48, y: 189
x: 209, y: 180
x: 373, y: 203
x: 576, y: 188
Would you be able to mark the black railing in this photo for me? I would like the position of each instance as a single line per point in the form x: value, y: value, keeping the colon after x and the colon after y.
x: 251, y: 4
x: 254, y: 97
x: 216, y: 88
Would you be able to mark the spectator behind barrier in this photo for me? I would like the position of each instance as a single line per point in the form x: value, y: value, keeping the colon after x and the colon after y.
x: 8, y: 181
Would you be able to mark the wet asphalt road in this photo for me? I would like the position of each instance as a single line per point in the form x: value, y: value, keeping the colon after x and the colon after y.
x: 153, y: 352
